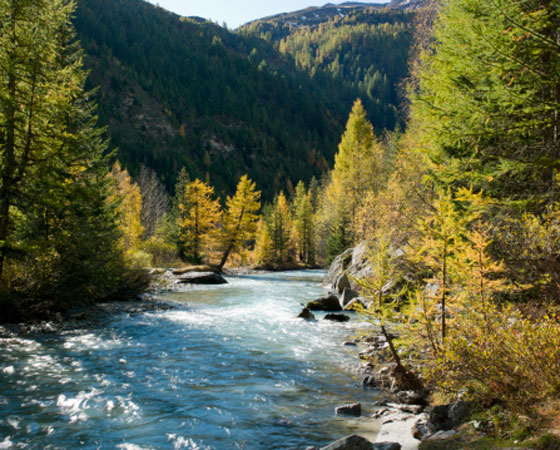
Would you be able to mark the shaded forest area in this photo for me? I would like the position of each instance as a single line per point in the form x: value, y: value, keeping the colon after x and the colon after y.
x: 179, y: 92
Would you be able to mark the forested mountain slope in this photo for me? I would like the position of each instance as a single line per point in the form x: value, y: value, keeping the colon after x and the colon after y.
x: 362, y: 47
x: 180, y: 92
x: 177, y: 91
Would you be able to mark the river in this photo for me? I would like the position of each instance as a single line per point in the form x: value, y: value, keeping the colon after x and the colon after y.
x: 226, y: 367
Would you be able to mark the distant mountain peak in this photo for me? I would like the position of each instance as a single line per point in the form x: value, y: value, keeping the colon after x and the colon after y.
x: 315, y: 15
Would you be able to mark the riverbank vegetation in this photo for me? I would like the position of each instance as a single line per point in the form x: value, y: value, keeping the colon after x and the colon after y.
x: 468, y: 201
x: 460, y: 211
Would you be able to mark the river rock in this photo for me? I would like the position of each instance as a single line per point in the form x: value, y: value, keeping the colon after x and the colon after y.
x: 421, y: 431
x: 342, y: 283
x: 347, y: 296
x: 306, y: 314
x: 446, y: 417
x: 353, y: 442
x: 336, y: 317
x: 387, y: 446
x: 355, y: 409
x: 411, y: 398
x: 459, y: 412
x: 329, y: 303
x: 443, y: 435
x: 202, y: 278
x: 357, y: 302
x: 189, y: 269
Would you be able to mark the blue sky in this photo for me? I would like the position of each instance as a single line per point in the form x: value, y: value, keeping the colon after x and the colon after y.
x: 238, y: 12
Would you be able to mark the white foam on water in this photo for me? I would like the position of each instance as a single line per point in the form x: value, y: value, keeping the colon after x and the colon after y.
x: 90, y: 341
x: 14, y: 422
x: 6, y: 443
x: 8, y: 370
x: 128, y: 446
x: 75, y: 407
x: 180, y: 442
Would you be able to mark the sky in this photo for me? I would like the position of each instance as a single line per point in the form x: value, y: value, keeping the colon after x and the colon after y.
x: 238, y: 12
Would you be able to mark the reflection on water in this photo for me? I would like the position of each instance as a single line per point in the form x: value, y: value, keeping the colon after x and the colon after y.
x: 228, y: 367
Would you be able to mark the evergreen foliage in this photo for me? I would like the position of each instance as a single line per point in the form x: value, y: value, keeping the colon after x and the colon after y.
x: 58, y: 236
x: 366, y: 51
x: 177, y: 92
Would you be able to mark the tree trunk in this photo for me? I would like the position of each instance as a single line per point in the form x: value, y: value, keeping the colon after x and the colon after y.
x: 231, y: 244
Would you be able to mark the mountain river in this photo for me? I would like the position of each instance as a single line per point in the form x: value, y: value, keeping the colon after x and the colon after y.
x: 224, y: 367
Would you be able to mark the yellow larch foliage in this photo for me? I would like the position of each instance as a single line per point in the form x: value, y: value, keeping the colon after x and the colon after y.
x: 127, y: 194
x: 201, y: 213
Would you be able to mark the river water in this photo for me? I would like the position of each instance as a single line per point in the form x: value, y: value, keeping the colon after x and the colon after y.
x: 226, y: 367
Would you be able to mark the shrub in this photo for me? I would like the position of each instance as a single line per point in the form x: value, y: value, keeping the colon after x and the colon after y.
x: 501, y: 354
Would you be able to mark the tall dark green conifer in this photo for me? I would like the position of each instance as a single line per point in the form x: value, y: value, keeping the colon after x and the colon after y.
x: 56, y: 225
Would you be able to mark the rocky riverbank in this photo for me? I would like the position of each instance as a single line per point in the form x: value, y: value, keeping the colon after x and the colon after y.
x: 403, y: 413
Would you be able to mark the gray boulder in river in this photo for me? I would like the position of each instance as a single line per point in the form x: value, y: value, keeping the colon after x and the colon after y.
x: 355, y: 442
x: 353, y: 263
x: 201, y: 278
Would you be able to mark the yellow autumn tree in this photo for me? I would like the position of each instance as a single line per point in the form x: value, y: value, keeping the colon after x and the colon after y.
x: 357, y: 171
x: 240, y: 218
x: 128, y: 195
x: 263, y: 243
x: 200, y: 215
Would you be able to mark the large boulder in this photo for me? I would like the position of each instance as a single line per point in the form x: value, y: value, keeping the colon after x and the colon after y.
x: 189, y: 269
x: 201, y: 278
x: 330, y: 303
x: 353, y: 263
x: 338, y: 266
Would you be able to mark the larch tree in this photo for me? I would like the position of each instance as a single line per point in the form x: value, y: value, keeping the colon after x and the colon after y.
x: 129, y: 198
x: 357, y: 171
x: 240, y: 218
x: 58, y: 222
x: 280, y: 228
x: 487, y: 99
x: 201, y: 213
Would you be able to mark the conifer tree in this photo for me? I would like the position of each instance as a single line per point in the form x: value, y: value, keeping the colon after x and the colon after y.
x: 56, y: 214
x: 303, y: 224
x: 487, y: 101
x: 127, y: 195
x: 37, y: 95
x: 280, y: 228
x: 240, y: 218
x: 197, y: 229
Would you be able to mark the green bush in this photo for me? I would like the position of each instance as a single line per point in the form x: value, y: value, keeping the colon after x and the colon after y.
x: 499, y: 354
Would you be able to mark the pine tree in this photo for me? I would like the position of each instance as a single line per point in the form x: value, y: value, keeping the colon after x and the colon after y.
x: 197, y: 228
x: 240, y: 218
